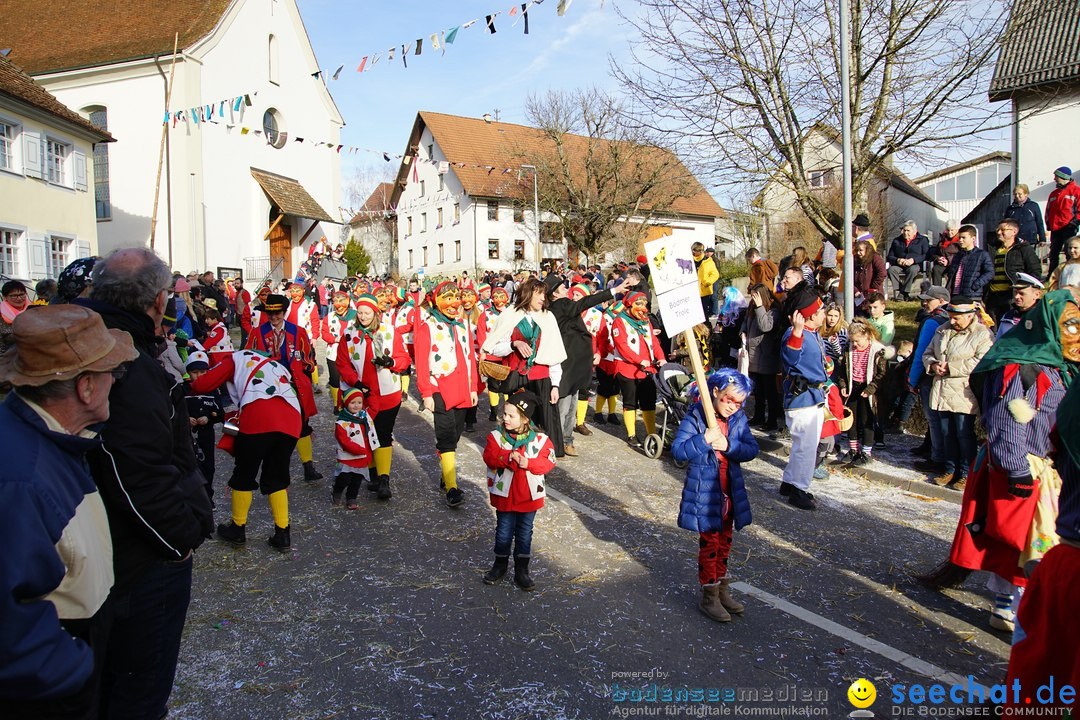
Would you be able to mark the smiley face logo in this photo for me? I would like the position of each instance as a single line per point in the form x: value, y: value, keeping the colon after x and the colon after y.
x: 862, y: 693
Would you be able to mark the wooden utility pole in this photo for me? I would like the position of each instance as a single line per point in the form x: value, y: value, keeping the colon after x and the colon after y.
x: 161, y: 148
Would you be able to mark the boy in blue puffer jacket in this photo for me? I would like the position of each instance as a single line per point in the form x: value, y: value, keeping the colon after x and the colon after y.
x: 714, y: 498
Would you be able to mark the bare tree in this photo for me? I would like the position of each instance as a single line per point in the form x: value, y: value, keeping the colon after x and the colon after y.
x: 742, y: 83
x: 595, y: 170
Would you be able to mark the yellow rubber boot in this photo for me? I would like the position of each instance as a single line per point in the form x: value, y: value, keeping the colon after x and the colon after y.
x: 315, y: 375
x: 241, y: 503
x: 405, y: 383
x: 448, y: 462
x: 334, y: 396
x: 279, y: 507
x: 383, y: 457
x: 582, y: 408
x: 611, y: 405
x: 630, y: 421
x: 649, y: 416
x: 303, y: 449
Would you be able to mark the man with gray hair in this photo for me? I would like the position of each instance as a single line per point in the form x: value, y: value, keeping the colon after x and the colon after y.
x: 57, y: 565
x: 905, y: 258
x: 149, y: 480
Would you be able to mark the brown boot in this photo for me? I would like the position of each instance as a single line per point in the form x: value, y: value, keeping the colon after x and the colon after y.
x: 730, y: 604
x: 569, y: 450
x: 710, y: 604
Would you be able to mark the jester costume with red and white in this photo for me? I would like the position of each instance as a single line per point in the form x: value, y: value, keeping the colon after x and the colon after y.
x: 373, y: 359
x: 446, y: 376
x: 218, y: 340
x: 637, y: 354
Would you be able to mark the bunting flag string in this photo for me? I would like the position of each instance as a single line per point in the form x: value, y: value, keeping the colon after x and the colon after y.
x: 441, y: 40
x: 194, y: 121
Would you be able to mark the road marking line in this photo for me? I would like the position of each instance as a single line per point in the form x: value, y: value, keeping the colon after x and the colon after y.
x: 900, y: 657
x: 553, y: 494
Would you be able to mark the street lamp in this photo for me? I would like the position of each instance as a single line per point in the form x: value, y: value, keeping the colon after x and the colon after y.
x: 536, y: 214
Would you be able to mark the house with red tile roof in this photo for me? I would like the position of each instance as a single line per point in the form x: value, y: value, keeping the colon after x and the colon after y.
x: 463, y: 199
x: 238, y: 190
x: 47, y: 178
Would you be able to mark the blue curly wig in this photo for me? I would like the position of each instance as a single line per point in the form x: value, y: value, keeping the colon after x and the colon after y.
x: 722, y: 378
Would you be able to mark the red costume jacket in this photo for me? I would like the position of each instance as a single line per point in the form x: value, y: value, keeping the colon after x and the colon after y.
x: 454, y: 377
x: 296, y: 353
x: 632, y: 348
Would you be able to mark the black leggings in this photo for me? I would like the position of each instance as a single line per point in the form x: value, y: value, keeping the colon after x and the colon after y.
x: 605, y: 384
x: 638, y: 394
x: 862, y: 428
x: 384, y: 425
x: 332, y: 375
x: 272, y: 451
x: 766, y: 396
x: 449, y: 424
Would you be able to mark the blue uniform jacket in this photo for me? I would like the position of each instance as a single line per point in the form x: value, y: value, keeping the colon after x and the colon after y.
x: 806, y: 361
x: 702, y: 506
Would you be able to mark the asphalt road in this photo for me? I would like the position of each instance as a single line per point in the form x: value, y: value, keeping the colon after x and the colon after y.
x: 381, y: 613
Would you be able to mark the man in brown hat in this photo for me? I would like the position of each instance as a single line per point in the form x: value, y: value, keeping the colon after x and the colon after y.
x: 57, y: 568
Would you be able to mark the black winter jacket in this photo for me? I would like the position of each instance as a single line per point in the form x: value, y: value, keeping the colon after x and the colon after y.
x: 1030, y: 218
x: 146, y: 471
x: 917, y: 250
x: 577, y: 368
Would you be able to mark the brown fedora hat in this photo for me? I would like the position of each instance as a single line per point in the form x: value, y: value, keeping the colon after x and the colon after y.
x: 59, y: 342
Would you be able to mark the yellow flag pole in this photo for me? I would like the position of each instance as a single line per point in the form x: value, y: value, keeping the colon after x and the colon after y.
x: 699, y: 374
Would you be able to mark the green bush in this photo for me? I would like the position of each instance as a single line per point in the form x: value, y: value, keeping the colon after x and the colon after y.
x: 357, y: 259
x: 731, y: 269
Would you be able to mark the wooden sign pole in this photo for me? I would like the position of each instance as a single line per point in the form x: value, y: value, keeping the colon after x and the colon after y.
x: 161, y: 148
x: 698, y: 368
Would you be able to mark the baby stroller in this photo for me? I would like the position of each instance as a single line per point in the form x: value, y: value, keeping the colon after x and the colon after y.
x: 672, y: 383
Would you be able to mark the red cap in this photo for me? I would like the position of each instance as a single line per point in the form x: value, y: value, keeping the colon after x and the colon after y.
x: 808, y: 311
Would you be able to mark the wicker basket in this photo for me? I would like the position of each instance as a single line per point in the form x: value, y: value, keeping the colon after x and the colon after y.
x: 846, y: 421
x: 494, y: 370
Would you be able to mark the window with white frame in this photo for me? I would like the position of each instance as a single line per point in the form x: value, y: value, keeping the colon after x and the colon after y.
x: 9, y: 252
x: 423, y: 188
x: 818, y: 178
x: 56, y: 158
x: 425, y: 256
x: 493, y: 249
x: 438, y: 220
x: 8, y: 136
x: 272, y: 69
x: 442, y: 255
x: 410, y: 257
x: 457, y: 213
x: 59, y: 254
x: 457, y: 251
x: 423, y: 222
x: 493, y: 210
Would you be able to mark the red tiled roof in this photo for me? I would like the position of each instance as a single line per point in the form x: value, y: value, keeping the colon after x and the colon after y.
x: 17, y: 84
x: 475, y: 142
x: 65, y: 34
x: 377, y: 204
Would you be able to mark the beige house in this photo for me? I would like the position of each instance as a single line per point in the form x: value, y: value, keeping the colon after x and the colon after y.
x: 893, y: 199
x: 47, y: 216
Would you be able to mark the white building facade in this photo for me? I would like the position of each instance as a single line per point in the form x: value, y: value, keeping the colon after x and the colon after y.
x: 959, y: 188
x: 47, y: 216
x: 212, y: 213
x: 489, y: 221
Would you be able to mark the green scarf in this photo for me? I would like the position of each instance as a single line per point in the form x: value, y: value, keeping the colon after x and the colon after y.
x: 530, y: 333
x: 435, y: 313
x: 1035, y: 339
x: 1068, y: 414
x: 347, y: 416
x: 517, y: 440
x: 642, y: 326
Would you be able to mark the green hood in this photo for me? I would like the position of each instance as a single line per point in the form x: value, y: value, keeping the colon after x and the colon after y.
x: 1036, y: 339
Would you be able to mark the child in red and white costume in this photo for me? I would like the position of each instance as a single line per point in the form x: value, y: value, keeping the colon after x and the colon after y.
x: 593, y: 318
x: 517, y: 458
x: 607, y: 389
x: 472, y: 313
x: 356, y: 441
x: 269, y: 424
x: 217, y: 338
x: 637, y: 354
x: 446, y: 376
x: 404, y: 320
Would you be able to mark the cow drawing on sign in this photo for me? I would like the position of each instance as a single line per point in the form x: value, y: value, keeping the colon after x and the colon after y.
x: 687, y: 266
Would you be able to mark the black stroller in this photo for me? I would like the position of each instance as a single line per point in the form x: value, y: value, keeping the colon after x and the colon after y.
x: 672, y: 383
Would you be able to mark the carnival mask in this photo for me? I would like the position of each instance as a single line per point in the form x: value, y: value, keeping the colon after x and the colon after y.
x: 640, y: 309
x: 296, y: 293
x: 1069, y: 324
x: 448, y: 301
x: 468, y: 300
x: 341, y: 303
x: 499, y: 298
x: 383, y: 295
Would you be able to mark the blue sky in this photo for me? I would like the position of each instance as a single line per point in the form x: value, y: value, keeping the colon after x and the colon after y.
x: 478, y: 74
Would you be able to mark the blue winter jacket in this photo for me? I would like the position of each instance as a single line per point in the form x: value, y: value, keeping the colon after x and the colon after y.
x: 702, y: 506
x: 42, y: 484
x: 978, y: 272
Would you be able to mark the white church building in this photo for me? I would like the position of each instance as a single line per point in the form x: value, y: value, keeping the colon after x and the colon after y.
x: 239, y: 191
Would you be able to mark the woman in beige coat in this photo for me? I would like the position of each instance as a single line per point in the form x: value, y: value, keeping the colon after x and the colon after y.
x: 956, y: 349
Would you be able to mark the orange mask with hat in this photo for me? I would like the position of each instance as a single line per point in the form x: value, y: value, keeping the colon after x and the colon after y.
x: 384, y: 295
x: 447, y: 298
x: 296, y: 292
x: 468, y: 299
x: 639, y: 306
x: 499, y: 298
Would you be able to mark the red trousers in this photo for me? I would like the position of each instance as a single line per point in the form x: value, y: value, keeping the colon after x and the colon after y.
x: 715, y: 546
